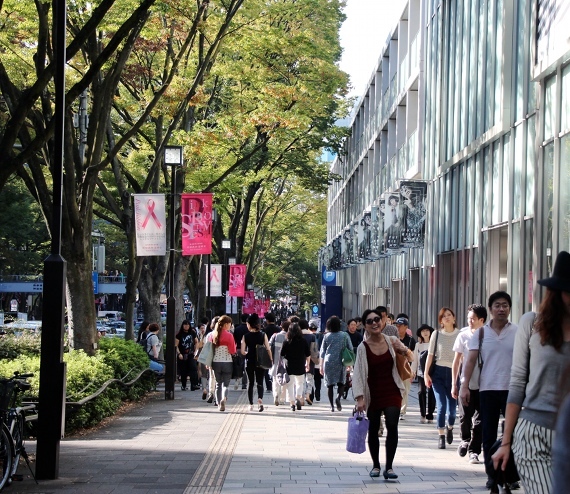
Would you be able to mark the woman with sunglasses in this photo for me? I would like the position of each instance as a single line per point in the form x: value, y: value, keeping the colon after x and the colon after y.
x: 378, y: 388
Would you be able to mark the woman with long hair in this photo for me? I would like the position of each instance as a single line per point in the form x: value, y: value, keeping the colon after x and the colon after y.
x: 426, y: 398
x: 441, y: 348
x: 222, y: 364
x: 186, y: 341
x: 378, y: 388
x: 255, y: 374
x: 296, y: 350
x: 541, y: 354
x: 332, y: 368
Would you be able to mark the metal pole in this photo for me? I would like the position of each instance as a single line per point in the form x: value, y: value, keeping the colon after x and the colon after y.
x: 209, y: 304
x: 170, y: 355
x: 51, y: 410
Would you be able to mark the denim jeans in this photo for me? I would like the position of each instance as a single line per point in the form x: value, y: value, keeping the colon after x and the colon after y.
x: 491, y: 405
x: 446, y: 404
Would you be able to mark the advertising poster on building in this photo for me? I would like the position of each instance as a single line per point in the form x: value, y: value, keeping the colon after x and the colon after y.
x: 356, y: 239
x: 392, y: 224
x: 365, y: 237
x: 248, y: 302
x: 150, y: 224
x: 237, y: 279
x: 413, y: 197
x: 215, y: 280
x: 196, y: 218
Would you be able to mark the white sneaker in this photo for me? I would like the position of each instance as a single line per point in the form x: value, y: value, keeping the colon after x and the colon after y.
x: 474, y: 459
x: 423, y: 420
x: 251, y: 408
x: 235, y: 386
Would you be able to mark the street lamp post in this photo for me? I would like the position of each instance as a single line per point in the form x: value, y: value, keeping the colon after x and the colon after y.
x: 226, y: 245
x: 172, y: 157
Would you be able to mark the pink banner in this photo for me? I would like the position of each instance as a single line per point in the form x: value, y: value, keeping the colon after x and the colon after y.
x: 248, y: 301
x: 196, y: 224
x: 150, y: 221
x: 237, y: 280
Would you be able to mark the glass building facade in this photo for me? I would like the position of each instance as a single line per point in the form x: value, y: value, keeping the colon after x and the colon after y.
x: 473, y: 100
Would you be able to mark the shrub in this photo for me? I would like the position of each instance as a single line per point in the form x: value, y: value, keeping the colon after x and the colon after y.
x: 86, y: 374
x: 12, y: 346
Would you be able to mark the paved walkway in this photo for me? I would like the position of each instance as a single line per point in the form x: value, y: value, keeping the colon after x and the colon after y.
x: 187, y: 446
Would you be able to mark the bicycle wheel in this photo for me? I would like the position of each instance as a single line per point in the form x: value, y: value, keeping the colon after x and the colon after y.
x: 5, y: 458
x: 17, y: 438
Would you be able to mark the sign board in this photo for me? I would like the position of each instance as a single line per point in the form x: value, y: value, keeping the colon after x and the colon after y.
x: 95, y: 279
x: 215, y: 280
x: 13, y: 305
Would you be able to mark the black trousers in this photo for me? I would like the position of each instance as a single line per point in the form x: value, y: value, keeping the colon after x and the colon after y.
x: 187, y: 368
x: 470, y: 420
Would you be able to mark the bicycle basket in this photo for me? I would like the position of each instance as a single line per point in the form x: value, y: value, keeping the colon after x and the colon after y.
x: 6, y: 391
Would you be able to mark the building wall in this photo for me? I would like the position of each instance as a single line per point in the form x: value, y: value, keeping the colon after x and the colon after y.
x: 467, y: 98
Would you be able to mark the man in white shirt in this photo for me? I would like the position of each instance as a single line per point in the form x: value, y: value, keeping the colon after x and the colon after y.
x: 494, y: 343
x: 469, y: 416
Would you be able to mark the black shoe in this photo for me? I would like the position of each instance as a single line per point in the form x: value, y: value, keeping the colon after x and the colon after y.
x: 194, y: 388
x: 390, y: 475
x: 514, y: 486
x: 204, y: 394
x: 462, y: 449
x: 441, y: 443
x: 450, y: 435
x: 293, y: 408
x: 210, y: 398
x: 490, y: 483
x: 298, y: 403
x: 332, y: 409
x: 338, y: 405
x: 183, y: 388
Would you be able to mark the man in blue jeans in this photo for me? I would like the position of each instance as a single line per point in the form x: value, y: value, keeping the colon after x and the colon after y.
x: 491, y: 349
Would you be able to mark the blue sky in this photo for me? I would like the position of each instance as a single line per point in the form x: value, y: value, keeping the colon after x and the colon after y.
x: 363, y: 34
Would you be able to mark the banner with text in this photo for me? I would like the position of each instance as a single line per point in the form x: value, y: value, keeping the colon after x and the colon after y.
x: 215, y: 280
x: 150, y: 224
x: 237, y: 279
x: 413, y: 197
x: 248, y: 302
x: 196, y: 219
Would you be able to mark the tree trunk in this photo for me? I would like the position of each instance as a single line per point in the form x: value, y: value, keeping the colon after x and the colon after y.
x: 81, y: 315
x: 150, y: 287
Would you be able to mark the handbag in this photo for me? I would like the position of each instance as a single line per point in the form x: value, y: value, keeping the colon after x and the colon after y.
x: 207, y: 354
x: 434, y: 360
x: 282, y: 376
x: 348, y: 356
x: 237, y: 367
x: 403, y: 366
x: 263, y: 358
x: 502, y: 477
x: 357, y: 430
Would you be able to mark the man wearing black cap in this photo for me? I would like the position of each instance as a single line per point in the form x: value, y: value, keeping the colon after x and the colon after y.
x: 402, y: 324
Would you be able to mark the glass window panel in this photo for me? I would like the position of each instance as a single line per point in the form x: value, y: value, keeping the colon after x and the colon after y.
x: 549, y: 108
x: 527, y: 270
x: 489, y: 104
x: 454, y: 207
x: 506, y: 177
x: 468, y: 221
x: 530, y: 165
x: 521, y: 66
x: 498, y: 59
x: 516, y: 310
x: 473, y: 70
x: 548, y: 165
x: 481, y: 104
x: 565, y: 104
x: 496, y: 181
x: 480, y: 194
x: 564, y: 234
x: 517, y: 169
x: 486, y: 169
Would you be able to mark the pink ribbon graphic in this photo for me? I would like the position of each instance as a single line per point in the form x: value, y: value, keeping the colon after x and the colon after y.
x: 150, y: 214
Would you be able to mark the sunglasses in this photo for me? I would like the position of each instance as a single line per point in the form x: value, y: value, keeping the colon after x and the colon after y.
x: 372, y: 321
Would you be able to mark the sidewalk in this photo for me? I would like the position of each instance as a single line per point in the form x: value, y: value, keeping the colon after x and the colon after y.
x: 188, y: 446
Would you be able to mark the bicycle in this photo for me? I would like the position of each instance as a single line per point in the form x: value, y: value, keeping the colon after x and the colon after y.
x: 12, y: 418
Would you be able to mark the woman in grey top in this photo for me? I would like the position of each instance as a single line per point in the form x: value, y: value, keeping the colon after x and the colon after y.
x: 332, y: 368
x: 541, y: 353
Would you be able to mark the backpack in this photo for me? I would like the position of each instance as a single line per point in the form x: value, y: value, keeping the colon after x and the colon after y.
x: 142, y: 341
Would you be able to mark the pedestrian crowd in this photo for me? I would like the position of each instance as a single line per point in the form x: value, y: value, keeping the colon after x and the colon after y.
x: 510, y: 383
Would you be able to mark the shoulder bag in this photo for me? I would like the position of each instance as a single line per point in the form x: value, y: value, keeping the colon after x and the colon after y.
x: 433, y: 362
x: 207, y: 354
x: 403, y: 366
x: 262, y: 355
x: 348, y: 357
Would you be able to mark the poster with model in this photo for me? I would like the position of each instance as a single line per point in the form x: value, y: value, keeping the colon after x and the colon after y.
x: 413, y: 197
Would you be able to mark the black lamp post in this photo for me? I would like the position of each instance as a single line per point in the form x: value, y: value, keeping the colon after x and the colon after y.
x: 51, y: 412
x: 172, y: 157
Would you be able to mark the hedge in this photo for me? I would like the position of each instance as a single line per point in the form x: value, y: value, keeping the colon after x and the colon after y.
x: 85, y: 375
